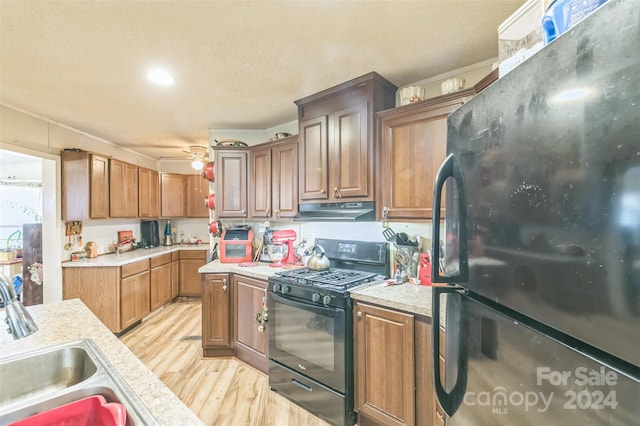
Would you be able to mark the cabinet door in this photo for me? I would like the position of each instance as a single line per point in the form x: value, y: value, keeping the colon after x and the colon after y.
x: 350, y: 154
x: 190, y: 278
x: 99, y: 289
x: 231, y: 184
x: 313, y: 164
x: 123, y: 182
x: 134, y: 299
x: 284, y: 180
x: 160, y: 285
x: 216, y: 300
x: 99, y: 184
x: 250, y: 341
x: 197, y: 191
x: 260, y: 183
x: 148, y: 193
x: 172, y: 195
x: 175, y: 274
x: 384, y: 365
x: 413, y: 145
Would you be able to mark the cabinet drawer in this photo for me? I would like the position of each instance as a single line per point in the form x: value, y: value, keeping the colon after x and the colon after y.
x: 160, y: 260
x: 134, y: 268
x: 193, y: 254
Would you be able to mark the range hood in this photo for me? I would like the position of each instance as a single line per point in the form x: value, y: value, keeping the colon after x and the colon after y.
x: 336, y: 212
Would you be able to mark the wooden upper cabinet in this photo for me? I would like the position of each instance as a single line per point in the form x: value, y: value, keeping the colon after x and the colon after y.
x: 273, y: 179
x: 260, y: 204
x: 196, y: 191
x: 99, y: 182
x: 313, y: 159
x: 172, y: 195
x: 412, y: 146
x: 336, y: 138
x: 231, y: 183
x: 148, y: 193
x: 352, y: 158
x: 84, y: 185
x: 123, y: 195
x: 284, y: 179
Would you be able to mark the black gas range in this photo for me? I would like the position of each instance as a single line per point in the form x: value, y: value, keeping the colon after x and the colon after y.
x: 328, y: 288
x: 311, y: 327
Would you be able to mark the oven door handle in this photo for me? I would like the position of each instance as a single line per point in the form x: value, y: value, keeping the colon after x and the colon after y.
x: 332, y: 312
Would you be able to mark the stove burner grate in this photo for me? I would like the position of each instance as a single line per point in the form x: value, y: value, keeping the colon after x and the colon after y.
x: 332, y: 277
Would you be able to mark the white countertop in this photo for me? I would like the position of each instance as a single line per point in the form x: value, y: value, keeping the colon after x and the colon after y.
x: 131, y: 256
x: 69, y: 320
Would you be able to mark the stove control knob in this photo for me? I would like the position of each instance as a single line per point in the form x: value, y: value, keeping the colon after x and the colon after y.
x: 326, y: 300
x: 276, y: 288
x: 315, y: 297
x: 285, y: 289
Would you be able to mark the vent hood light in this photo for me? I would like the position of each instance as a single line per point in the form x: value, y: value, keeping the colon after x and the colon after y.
x: 161, y: 77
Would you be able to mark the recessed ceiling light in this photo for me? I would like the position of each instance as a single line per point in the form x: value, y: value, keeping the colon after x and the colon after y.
x: 160, y: 76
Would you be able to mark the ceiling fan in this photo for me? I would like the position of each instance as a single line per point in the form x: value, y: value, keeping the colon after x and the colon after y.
x: 197, y: 153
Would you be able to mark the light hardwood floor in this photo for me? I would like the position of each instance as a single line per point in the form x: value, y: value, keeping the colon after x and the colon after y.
x: 220, y: 391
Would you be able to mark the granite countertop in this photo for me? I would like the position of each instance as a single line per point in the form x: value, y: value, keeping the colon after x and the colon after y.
x: 407, y: 297
x: 261, y: 271
x: 132, y: 256
x: 69, y: 320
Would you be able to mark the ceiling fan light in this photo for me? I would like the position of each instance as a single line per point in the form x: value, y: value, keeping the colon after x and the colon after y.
x: 197, y: 164
x: 160, y: 76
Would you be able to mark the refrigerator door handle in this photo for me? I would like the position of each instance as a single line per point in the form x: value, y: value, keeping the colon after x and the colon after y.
x: 449, y: 401
x: 450, y: 168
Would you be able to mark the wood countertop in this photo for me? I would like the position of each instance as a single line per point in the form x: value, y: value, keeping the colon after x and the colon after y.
x: 69, y: 320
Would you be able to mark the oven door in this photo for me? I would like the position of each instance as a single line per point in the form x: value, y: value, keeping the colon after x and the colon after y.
x: 309, y: 339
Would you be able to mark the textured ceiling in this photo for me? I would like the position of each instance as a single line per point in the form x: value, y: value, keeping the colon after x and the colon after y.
x: 237, y: 64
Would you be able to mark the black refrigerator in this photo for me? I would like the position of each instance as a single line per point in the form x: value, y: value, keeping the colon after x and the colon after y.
x: 540, y: 293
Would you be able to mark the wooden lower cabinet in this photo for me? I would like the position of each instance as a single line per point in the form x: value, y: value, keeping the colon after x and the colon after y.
x: 230, y: 304
x: 122, y: 296
x: 99, y: 289
x: 175, y: 274
x: 118, y: 296
x: 134, y: 292
x: 250, y: 340
x: 134, y: 302
x: 160, y: 281
x: 216, y: 315
x: 393, y: 370
x: 190, y: 278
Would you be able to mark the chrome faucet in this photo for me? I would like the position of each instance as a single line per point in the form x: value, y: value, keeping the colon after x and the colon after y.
x: 19, y: 320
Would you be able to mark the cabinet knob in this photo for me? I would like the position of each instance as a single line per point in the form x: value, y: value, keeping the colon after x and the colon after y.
x: 322, y: 191
x: 224, y: 284
x: 336, y: 192
x: 359, y: 314
x: 278, y: 213
x: 266, y: 212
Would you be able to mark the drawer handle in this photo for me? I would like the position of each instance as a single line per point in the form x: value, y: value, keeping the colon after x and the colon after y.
x: 302, y: 385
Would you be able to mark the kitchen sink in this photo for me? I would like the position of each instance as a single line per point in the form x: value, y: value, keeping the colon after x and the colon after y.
x: 43, y: 379
x: 43, y: 373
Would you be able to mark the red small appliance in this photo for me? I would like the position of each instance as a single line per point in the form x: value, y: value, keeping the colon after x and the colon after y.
x: 235, y: 246
x: 425, y: 269
x: 286, y: 236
